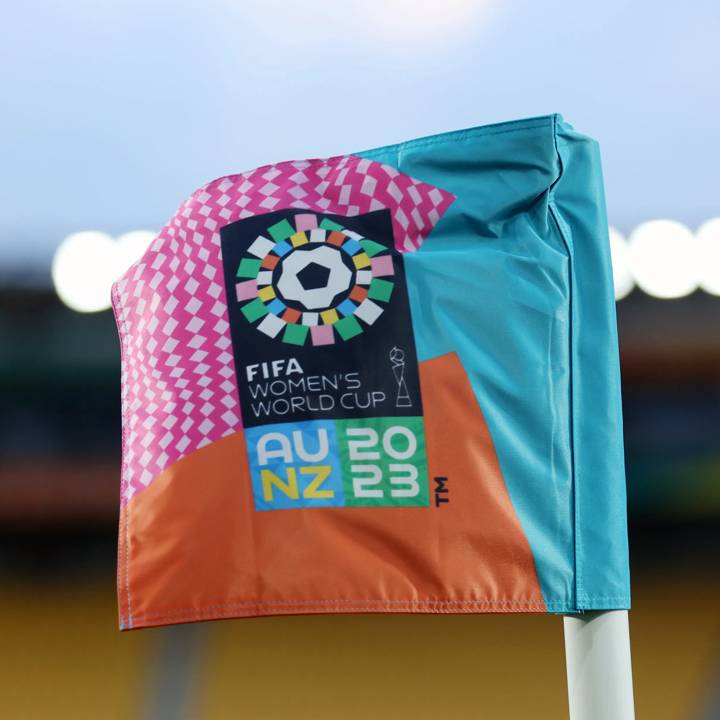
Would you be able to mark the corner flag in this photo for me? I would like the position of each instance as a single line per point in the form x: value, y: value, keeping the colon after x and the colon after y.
x: 378, y: 382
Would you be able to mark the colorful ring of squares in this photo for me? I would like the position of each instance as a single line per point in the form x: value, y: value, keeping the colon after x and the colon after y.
x: 261, y: 304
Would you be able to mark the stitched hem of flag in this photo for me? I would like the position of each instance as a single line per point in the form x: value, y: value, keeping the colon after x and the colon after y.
x: 123, y: 570
x: 250, y: 608
x: 256, y: 609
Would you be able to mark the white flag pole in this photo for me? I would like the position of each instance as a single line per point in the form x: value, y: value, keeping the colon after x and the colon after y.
x: 599, y: 669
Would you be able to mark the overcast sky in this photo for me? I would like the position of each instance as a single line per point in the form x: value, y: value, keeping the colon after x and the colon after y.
x: 112, y: 112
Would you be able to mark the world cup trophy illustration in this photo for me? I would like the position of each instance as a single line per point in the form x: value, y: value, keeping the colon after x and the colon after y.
x: 397, y: 358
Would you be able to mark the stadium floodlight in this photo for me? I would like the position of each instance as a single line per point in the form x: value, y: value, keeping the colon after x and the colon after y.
x: 82, y: 270
x: 130, y: 248
x: 87, y: 263
x: 622, y: 274
x: 664, y: 258
x: 708, y: 239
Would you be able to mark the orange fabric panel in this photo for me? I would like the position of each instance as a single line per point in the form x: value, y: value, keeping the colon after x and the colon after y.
x: 192, y: 547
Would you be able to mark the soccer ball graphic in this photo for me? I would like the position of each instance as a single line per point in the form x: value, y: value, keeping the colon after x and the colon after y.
x: 307, y: 280
x: 314, y: 278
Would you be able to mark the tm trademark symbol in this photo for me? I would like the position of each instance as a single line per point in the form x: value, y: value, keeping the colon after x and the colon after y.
x: 441, y: 491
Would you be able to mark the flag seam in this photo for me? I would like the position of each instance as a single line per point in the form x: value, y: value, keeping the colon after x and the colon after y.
x: 352, y: 604
x: 125, y: 507
x: 289, y: 607
x: 567, y: 240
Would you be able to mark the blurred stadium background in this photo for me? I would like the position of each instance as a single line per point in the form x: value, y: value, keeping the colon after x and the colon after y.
x: 114, y: 112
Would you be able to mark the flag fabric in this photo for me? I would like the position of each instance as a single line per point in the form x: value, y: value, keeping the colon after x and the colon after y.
x: 378, y: 382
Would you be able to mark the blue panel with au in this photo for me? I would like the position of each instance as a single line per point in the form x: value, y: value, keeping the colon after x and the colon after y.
x: 295, y: 465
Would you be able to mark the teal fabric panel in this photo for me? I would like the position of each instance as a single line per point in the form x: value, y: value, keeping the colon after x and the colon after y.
x: 499, y: 282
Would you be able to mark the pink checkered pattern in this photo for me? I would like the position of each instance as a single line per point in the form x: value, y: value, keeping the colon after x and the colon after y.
x: 178, y: 374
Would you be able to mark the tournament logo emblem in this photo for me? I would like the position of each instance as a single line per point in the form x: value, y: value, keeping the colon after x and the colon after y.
x: 325, y: 361
x: 307, y: 279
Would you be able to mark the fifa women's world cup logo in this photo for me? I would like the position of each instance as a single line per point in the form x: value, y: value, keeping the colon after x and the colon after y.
x: 318, y: 308
x: 311, y: 280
